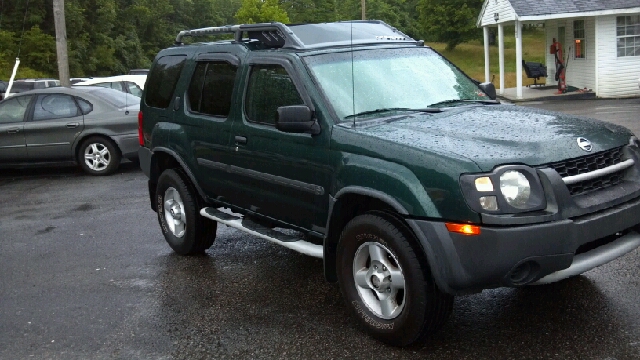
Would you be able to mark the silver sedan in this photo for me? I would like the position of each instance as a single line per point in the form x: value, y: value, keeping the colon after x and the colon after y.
x: 91, y: 126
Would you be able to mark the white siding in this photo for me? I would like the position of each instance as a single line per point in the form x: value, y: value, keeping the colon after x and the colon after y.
x: 502, y: 7
x: 551, y: 31
x: 581, y: 73
x: 617, y: 76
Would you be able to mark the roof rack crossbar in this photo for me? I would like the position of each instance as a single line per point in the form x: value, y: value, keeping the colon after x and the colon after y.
x: 267, y: 29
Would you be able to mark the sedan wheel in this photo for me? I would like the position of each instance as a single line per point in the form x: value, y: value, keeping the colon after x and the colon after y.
x: 99, y: 156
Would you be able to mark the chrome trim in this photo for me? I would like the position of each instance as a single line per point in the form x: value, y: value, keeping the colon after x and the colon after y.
x: 234, y: 221
x: 597, y: 173
x: 594, y: 258
x: 48, y: 144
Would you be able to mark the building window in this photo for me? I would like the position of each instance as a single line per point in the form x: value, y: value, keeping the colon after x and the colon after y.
x: 579, y: 44
x: 628, y: 35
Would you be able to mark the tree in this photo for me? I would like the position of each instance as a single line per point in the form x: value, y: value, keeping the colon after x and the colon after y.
x: 450, y: 21
x: 259, y: 11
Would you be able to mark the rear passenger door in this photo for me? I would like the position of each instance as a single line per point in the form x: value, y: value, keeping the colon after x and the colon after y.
x: 206, y: 120
x: 52, y: 129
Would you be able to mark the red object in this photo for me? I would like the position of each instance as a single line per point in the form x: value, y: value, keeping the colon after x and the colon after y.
x: 140, y: 133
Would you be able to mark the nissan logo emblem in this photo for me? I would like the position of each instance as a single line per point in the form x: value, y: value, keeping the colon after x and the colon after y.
x: 584, y: 144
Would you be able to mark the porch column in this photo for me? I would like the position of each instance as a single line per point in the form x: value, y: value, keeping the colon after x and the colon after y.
x: 501, y: 56
x: 485, y: 31
x: 518, y: 60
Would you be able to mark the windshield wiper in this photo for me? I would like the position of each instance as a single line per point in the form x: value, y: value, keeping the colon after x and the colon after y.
x: 455, y: 101
x: 377, y: 111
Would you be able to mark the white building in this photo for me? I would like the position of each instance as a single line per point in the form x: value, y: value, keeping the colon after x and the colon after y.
x: 604, y: 37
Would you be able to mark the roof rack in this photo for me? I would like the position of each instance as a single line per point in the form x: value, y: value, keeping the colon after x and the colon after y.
x: 271, y: 34
x: 278, y: 35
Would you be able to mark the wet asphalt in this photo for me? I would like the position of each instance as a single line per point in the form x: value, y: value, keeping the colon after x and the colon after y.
x: 85, y: 274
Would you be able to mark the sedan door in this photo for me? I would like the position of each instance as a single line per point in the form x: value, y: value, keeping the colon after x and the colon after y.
x: 12, y: 143
x: 56, y: 123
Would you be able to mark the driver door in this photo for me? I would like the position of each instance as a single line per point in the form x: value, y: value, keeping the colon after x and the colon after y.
x: 13, y: 111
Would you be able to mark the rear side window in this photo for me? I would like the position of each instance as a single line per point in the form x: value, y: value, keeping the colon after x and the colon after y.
x: 162, y: 80
x: 54, y: 106
x: 211, y: 88
x: 270, y: 87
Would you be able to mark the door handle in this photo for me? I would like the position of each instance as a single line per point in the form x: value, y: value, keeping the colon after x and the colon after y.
x: 241, y: 140
x: 13, y: 130
x: 72, y: 125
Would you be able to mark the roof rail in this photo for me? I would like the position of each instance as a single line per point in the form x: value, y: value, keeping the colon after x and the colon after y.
x: 273, y: 34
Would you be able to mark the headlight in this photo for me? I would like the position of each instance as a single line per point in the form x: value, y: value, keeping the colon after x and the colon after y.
x: 509, y: 189
x: 515, y: 188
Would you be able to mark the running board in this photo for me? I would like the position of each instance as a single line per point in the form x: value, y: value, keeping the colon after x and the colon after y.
x: 248, y: 226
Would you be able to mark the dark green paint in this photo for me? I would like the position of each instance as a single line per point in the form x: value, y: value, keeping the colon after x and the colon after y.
x: 415, y: 158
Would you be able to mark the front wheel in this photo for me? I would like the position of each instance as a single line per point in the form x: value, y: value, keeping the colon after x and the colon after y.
x: 388, y: 288
x: 186, y: 231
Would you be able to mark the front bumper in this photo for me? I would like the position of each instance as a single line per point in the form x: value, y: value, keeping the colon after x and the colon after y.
x: 520, y: 255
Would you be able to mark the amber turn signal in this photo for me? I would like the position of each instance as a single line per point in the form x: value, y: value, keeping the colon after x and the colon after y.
x: 464, y: 229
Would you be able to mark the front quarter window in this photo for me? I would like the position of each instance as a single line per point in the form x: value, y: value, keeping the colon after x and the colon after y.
x: 408, y: 78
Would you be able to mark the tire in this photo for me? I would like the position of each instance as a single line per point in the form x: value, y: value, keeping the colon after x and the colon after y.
x: 99, y: 156
x: 380, y: 253
x: 186, y: 231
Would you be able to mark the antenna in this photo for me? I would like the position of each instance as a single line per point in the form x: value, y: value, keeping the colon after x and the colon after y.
x: 353, y: 81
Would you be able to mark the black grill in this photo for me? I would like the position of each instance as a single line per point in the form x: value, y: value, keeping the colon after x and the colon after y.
x: 587, y: 164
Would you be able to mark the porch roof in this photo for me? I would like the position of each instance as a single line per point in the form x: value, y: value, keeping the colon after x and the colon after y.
x: 546, y: 7
x: 541, y: 10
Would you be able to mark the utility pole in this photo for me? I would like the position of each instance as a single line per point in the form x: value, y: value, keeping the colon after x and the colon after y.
x: 364, y: 11
x: 61, y: 42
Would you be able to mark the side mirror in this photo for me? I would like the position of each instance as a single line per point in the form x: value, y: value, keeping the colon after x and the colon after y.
x: 489, y: 89
x: 296, y: 119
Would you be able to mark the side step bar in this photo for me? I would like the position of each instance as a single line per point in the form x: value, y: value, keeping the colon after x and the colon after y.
x: 248, y: 226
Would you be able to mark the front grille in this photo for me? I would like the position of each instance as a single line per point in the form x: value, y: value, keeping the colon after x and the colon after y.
x: 587, y: 164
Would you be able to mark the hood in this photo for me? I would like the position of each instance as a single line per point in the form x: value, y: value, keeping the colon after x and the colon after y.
x: 492, y: 135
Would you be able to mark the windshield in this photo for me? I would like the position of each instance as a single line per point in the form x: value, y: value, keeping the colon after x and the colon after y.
x: 406, y: 78
x: 117, y: 98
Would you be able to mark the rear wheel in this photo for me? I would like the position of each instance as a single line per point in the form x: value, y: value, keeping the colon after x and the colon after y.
x: 179, y: 215
x: 99, y: 156
x: 388, y: 288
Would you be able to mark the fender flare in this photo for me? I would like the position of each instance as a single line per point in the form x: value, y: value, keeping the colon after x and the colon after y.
x: 155, y: 171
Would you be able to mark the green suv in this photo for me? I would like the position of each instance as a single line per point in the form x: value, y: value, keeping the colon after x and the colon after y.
x: 394, y: 167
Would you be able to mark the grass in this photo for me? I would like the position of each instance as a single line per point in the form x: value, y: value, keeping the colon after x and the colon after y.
x: 470, y: 56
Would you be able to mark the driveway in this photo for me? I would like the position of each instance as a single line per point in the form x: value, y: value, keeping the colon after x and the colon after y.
x: 86, y: 274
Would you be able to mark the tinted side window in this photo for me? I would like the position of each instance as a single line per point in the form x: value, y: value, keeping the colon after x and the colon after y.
x: 162, y: 80
x: 13, y: 109
x: 211, y: 88
x: 54, y: 106
x: 85, y: 106
x: 270, y: 87
x: 39, y: 85
x: 134, y: 89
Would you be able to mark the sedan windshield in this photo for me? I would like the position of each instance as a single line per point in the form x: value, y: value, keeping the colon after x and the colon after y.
x: 389, y: 79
